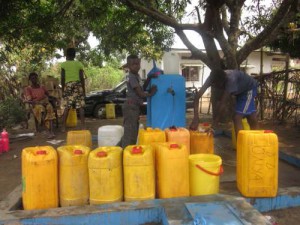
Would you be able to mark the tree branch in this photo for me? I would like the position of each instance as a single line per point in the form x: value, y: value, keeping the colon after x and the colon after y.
x: 195, y: 51
x: 161, y: 17
x: 270, y: 32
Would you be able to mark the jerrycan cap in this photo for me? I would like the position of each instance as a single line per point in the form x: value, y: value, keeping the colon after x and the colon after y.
x: 268, y: 131
x: 78, y: 152
x: 173, y: 128
x: 174, y: 146
x: 101, y: 154
x: 41, y: 152
x: 136, y: 150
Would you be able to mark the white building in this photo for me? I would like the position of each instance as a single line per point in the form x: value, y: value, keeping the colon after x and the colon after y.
x: 178, y: 61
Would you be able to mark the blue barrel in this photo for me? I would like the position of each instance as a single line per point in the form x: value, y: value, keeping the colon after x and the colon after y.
x: 167, y: 107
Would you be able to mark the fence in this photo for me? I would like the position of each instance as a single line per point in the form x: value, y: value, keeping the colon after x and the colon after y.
x: 278, y: 97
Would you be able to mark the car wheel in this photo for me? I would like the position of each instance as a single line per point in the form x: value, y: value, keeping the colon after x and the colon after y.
x: 99, y: 111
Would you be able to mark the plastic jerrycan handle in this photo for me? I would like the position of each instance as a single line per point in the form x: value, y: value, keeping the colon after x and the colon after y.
x: 211, y: 173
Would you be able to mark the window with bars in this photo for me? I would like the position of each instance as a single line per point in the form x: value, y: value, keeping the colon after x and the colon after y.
x: 191, y: 73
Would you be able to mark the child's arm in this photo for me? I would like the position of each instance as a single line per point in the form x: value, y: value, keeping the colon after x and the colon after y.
x: 147, y: 81
x: 143, y: 94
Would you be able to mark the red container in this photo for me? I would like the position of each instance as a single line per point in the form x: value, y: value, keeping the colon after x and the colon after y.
x: 5, y: 141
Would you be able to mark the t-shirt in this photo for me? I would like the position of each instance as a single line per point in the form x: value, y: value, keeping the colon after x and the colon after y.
x: 72, y: 68
x: 133, y: 81
x: 238, y: 82
x: 36, y: 94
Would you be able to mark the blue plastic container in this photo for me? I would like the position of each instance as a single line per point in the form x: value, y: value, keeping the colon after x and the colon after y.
x: 167, y: 107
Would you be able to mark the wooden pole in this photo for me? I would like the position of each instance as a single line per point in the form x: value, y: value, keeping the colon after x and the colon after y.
x: 262, y: 91
x: 286, y: 80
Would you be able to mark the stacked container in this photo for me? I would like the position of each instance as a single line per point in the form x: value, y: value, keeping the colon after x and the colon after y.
x: 105, y: 175
x: 73, y: 175
x: 39, y: 178
x: 257, y: 163
x: 179, y: 135
x: 138, y: 167
x: 79, y: 137
x: 172, y: 170
x: 110, y: 135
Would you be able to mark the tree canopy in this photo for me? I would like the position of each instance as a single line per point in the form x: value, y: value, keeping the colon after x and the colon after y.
x: 236, y: 26
x: 288, y: 41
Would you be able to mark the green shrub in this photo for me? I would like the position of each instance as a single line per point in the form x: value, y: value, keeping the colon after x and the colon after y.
x: 12, y: 112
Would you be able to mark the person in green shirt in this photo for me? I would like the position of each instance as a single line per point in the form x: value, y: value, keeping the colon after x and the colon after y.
x: 73, y: 86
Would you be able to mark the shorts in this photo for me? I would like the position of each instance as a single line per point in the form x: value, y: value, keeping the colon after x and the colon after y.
x: 73, y: 96
x: 245, y: 104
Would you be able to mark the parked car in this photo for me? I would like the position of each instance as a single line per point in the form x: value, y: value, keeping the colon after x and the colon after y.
x: 95, y: 101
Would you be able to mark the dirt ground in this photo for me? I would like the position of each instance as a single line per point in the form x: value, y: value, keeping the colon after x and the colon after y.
x: 10, y: 162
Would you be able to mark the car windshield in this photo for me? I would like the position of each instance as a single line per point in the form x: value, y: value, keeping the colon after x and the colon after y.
x: 120, y: 87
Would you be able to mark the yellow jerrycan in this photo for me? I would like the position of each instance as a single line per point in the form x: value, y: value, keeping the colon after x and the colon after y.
x: 151, y: 135
x: 39, y: 178
x: 110, y: 111
x: 257, y: 163
x: 172, y: 170
x: 205, y: 171
x: 201, y: 142
x: 138, y: 167
x: 179, y: 135
x: 73, y: 175
x: 71, y: 118
x: 79, y: 137
x: 105, y: 175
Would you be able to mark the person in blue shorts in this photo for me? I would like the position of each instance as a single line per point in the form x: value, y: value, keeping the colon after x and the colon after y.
x: 241, y: 87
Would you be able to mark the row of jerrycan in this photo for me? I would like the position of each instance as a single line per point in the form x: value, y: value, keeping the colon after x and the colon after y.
x: 257, y: 155
x: 76, y: 175
x: 198, y: 141
x: 69, y: 176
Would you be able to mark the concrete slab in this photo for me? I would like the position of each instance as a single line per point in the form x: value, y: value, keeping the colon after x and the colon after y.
x: 158, y: 211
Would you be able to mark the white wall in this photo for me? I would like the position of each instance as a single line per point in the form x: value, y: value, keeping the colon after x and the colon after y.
x: 172, y: 64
